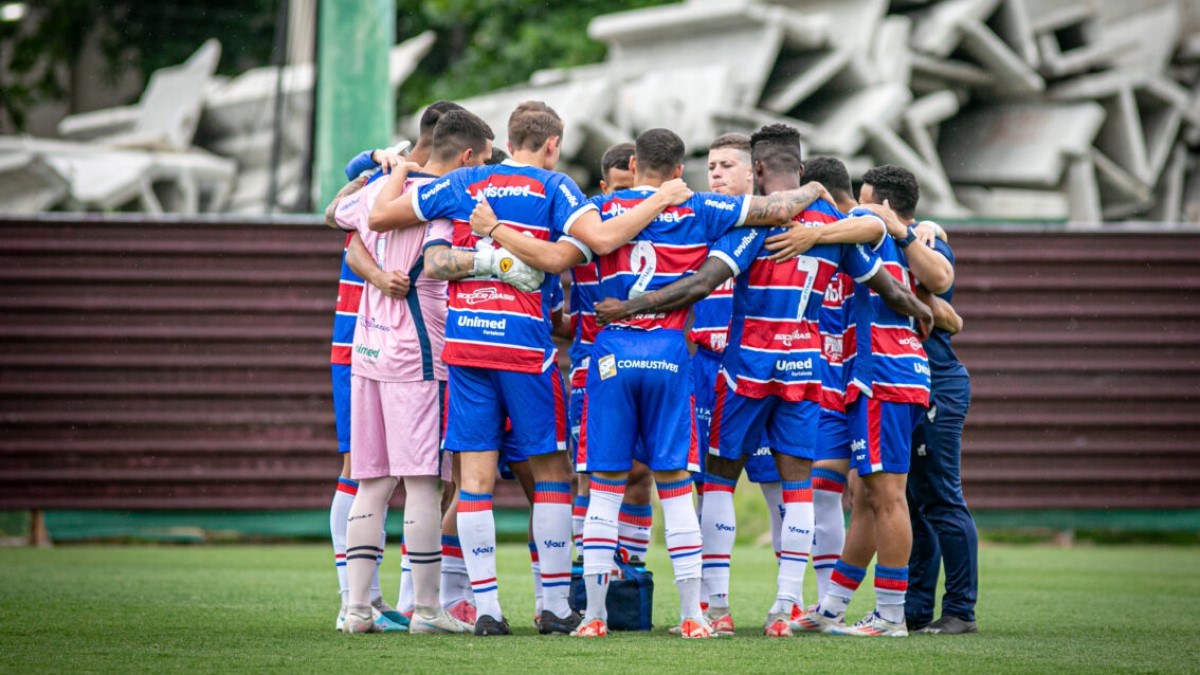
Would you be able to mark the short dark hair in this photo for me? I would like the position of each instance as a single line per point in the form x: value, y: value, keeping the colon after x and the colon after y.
x: 433, y: 113
x: 531, y: 123
x: 897, y: 185
x: 498, y: 156
x: 659, y: 151
x: 616, y: 157
x: 777, y: 146
x: 735, y: 140
x: 830, y: 172
x: 458, y: 130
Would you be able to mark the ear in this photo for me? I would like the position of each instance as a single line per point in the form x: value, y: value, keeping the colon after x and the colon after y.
x: 552, y: 143
x: 466, y: 156
x: 633, y: 165
x: 677, y: 172
x: 603, y: 186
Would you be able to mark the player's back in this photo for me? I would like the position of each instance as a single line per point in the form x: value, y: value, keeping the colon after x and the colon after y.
x: 837, y: 341
x: 890, y: 362
x: 585, y: 293
x: 672, y: 246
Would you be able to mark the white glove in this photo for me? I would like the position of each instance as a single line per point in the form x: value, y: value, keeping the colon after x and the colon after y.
x: 498, y: 262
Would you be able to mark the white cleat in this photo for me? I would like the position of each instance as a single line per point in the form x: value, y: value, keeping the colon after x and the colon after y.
x: 360, y: 619
x: 873, y: 625
x: 436, y: 620
x: 815, y: 621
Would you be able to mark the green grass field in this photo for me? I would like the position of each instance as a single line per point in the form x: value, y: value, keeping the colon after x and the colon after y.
x: 272, y: 608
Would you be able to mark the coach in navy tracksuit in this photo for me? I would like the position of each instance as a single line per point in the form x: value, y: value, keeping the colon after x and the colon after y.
x: 943, y: 530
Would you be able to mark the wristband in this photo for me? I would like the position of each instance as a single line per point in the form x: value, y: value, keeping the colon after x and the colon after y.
x: 493, y: 230
x: 912, y: 236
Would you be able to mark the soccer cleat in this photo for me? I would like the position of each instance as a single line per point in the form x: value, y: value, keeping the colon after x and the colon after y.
x: 549, y: 624
x: 488, y: 626
x: 815, y: 621
x: 463, y: 611
x: 873, y: 625
x: 388, y: 618
x: 949, y: 625
x: 720, y: 625
x: 798, y: 611
x: 596, y: 628
x: 360, y: 619
x: 341, y: 618
x: 777, y: 626
x: 692, y: 629
x: 436, y: 620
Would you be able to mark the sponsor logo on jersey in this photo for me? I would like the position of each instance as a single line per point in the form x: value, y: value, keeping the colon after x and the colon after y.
x: 723, y: 206
x: 366, y: 351
x: 485, y: 294
x: 793, y: 364
x: 746, y: 241
x: 833, y: 293
x: 795, y: 336
x: 567, y: 193
x: 648, y: 364
x: 477, y: 322
x: 499, y: 186
x: 921, y: 368
x: 912, y: 342
x: 428, y: 194
x: 371, y: 324
x: 719, y: 341
x: 833, y: 347
x: 607, y: 366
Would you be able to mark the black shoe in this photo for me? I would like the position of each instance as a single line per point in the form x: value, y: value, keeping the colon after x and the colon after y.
x: 950, y: 625
x: 553, y: 625
x: 486, y: 625
x: 914, y: 625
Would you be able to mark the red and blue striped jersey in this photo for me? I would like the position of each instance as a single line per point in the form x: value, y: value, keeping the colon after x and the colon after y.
x: 490, y: 324
x: 774, y: 338
x: 710, y: 319
x: 889, y: 362
x: 674, y: 245
x: 345, y: 318
x: 585, y: 293
x: 836, y: 351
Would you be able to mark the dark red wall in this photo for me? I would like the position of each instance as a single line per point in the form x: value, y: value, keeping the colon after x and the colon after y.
x: 184, y: 364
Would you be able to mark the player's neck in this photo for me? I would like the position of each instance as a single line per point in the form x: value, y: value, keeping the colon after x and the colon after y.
x: 648, y: 180
x: 420, y: 153
x: 772, y: 184
x: 439, y: 168
x: 532, y: 157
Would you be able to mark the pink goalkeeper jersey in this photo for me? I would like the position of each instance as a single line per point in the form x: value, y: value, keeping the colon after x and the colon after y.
x: 396, y: 340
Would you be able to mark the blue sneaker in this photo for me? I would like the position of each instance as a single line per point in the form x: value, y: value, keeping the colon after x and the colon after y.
x: 387, y: 618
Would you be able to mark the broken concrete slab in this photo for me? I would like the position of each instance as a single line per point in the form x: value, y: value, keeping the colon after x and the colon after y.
x: 28, y: 185
x: 937, y: 29
x: 1017, y: 144
x: 841, y: 122
x: 1013, y: 75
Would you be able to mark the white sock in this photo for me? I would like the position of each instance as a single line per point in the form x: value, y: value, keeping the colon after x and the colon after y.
x: 796, y: 542
x: 422, y: 534
x: 842, y: 585
x: 633, y: 529
x: 773, y: 496
x: 376, y: 592
x: 829, y: 531
x: 364, y: 530
x: 600, y: 543
x: 552, y: 536
x: 404, y: 602
x: 456, y: 585
x: 684, y: 543
x: 719, y: 527
x: 891, y: 585
x: 477, y: 531
x: 535, y: 566
x: 339, y: 510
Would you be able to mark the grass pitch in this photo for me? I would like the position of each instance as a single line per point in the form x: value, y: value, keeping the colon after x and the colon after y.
x: 272, y: 608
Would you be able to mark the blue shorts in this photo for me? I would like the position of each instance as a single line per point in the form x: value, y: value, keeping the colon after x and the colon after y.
x: 706, y: 364
x: 341, y: 404
x: 575, y: 413
x: 740, y: 422
x: 639, y: 389
x: 881, y: 435
x: 479, y: 400
x: 833, y: 436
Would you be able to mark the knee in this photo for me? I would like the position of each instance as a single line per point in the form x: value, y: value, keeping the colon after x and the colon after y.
x: 887, y: 501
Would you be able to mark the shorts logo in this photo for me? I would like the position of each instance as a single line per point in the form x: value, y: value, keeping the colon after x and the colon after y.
x: 608, y: 366
x: 506, y: 264
x: 858, y: 445
x: 764, y: 451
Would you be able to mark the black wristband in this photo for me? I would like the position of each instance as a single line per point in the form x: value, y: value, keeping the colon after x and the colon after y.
x: 912, y: 236
x: 493, y: 230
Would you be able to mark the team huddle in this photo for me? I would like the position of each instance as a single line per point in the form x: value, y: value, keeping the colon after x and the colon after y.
x: 809, y: 313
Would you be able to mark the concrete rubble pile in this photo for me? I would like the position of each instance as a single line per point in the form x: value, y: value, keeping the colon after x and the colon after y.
x: 1078, y: 110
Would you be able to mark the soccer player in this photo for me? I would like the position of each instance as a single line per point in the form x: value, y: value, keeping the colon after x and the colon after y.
x: 498, y: 348
x: 888, y: 391
x: 641, y: 364
x: 397, y: 383
x: 730, y: 172
x: 635, y: 518
x: 769, y: 375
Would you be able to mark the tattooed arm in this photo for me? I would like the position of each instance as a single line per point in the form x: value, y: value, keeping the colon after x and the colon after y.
x: 780, y: 207
x: 682, y: 293
x: 443, y: 262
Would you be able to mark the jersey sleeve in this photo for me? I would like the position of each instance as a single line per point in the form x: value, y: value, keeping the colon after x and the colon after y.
x: 438, y: 232
x: 361, y: 162
x: 442, y: 198
x: 738, y: 248
x: 944, y: 248
x: 567, y: 204
x: 353, y: 211
x: 722, y: 213
x: 556, y: 295
x: 867, y: 213
x: 860, y: 262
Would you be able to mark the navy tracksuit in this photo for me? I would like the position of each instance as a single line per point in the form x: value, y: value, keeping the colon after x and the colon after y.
x: 943, y: 530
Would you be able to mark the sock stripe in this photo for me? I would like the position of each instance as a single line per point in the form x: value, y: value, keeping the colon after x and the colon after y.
x: 347, y: 486
x: 674, y: 490
x: 473, y: 502
x: 829, y: 474
x: 376, y: 549
x: 616, y: 487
